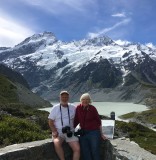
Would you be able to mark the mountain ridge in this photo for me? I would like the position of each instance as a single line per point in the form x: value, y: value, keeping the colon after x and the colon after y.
x: 50, y: 65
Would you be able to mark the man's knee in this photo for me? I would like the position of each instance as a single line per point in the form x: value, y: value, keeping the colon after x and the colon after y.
x: 75, y: 146
x: 57, y: 142
x: 77, y: 149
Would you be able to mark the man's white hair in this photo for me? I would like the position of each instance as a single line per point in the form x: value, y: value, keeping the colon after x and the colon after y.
x: 86, y: 95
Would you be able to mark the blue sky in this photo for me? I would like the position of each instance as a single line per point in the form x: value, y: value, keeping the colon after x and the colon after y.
x: 130, y: 20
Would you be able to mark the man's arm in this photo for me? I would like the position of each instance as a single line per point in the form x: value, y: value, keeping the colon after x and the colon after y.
x: 53, y: 128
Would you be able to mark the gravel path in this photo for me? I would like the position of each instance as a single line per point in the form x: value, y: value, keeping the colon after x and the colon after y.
x: 131, y: 150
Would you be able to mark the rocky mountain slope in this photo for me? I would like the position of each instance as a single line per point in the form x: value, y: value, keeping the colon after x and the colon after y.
x: 110, y: 72
x: 15, y: 89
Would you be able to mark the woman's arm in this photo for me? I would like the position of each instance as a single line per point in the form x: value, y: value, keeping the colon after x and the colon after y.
x: 97, y: 117
x: 102, y: 135
x: 76, y: 118
x: 100, y: 124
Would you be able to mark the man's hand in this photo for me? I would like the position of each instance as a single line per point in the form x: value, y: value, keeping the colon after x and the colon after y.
x: 55, y: 134
x: 53, y: 128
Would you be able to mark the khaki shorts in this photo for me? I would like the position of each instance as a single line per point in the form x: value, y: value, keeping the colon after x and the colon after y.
x: 67, y: 139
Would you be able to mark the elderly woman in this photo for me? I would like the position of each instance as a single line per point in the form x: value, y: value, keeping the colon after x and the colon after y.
x: 90, y: 133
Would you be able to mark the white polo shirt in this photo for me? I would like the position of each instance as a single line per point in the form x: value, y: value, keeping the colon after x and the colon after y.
x: 55, y: 115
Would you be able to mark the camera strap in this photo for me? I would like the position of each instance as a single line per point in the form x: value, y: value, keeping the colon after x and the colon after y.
x: 68, y: 114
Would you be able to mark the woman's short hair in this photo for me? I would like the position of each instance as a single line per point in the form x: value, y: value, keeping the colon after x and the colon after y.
x: 85, y: 95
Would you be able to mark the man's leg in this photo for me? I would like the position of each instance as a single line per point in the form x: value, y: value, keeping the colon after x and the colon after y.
x: 76, y: 149
x: 58, y: 147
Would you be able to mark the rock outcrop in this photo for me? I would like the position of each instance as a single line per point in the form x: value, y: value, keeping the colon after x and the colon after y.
x: 44, y: 150
x: 129, y: 150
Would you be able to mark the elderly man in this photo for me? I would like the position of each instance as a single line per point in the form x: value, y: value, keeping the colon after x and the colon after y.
x: 61, y: 124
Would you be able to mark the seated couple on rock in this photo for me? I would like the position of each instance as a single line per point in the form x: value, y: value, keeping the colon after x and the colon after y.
x: 64, y: 117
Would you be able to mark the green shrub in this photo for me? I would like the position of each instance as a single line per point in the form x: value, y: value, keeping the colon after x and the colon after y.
x: 17, y: 130
x: 20, y: 122
x: 128, y: 115
x: 24, y: 111
x: 148, y: 116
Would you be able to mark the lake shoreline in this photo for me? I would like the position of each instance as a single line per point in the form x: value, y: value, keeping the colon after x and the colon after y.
x: 105, y: 108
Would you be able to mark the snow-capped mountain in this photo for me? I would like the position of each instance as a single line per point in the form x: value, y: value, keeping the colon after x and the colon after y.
x: 97, y: 65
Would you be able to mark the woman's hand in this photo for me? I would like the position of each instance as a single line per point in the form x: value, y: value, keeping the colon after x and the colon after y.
x: 103, y: 137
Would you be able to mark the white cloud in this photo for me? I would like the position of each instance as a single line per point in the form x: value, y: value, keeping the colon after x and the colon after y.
x: 121, y: 42
x: 106, y: 30
x: 59, y: 6
x: 122, y: 15
x: 12, y: 32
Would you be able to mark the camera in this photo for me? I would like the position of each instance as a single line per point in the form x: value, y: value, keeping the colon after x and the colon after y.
x: 67, y: 130
x: 80, y: 132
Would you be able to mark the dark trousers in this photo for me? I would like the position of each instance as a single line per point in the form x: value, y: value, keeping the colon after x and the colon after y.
x: 90, y: 145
